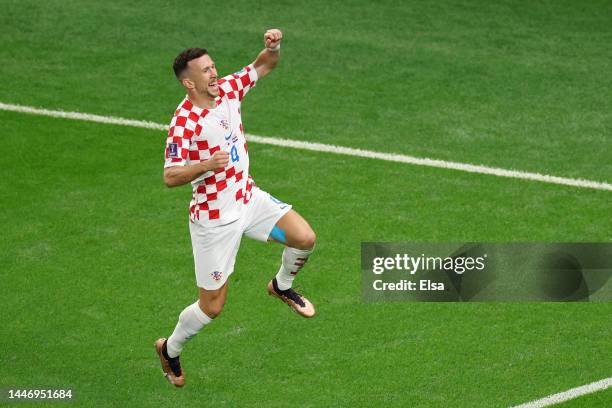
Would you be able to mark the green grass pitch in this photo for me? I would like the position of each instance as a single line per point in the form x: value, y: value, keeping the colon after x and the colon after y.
x: 96, y: 260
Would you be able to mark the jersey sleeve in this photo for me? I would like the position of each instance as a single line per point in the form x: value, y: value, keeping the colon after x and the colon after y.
x: 178, y: 142
x: 236, y: 85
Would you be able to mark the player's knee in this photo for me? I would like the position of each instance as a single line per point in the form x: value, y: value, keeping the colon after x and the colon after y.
x: 212, y: 309
x: 306, y: 239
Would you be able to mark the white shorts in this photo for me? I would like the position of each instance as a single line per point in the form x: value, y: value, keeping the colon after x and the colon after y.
x: 215, y: 248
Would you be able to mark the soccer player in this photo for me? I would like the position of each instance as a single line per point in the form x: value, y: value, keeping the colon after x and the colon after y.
x: 207, y: 148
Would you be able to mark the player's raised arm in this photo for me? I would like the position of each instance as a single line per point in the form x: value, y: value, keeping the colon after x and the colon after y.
x: 268, y: 58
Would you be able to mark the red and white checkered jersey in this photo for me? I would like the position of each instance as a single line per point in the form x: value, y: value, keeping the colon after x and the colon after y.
x: 195, y: 134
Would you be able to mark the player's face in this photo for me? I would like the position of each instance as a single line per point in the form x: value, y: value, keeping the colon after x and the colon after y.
x: 203, y: 73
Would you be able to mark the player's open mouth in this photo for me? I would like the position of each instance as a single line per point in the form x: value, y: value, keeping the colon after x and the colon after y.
x: 213, y: 85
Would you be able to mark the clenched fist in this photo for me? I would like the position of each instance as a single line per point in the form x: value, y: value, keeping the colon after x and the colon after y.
x: 218, y: 160
x: 272, y: 38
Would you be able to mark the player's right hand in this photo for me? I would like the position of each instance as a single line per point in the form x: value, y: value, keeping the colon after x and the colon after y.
x: 218, y: 160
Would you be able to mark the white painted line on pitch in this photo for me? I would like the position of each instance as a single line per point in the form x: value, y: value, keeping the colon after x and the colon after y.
x: 82, y: 116
x: 568, y: 395
x: 320, y: 147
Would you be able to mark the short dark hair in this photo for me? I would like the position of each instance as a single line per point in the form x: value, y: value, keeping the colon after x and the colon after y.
x: 181, y: 60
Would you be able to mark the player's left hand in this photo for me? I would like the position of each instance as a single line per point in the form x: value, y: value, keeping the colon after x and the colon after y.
x: 273, y: 37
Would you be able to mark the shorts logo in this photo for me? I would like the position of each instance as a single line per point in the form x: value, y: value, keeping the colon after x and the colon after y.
x: 172, y: 149
x: 217, y: 275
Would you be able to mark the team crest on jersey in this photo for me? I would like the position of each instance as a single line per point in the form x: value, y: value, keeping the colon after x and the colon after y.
x: 217, y: 275
x: 172, y: 149
x: 224, y: 124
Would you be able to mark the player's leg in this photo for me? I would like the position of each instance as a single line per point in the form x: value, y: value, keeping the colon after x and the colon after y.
x: 214, y: 252
x: 295, y: 233
x: 212, y: 301
x: 269, y: 219
x: 299, y: 239
x: 195, y: 316
x: 191, y: 320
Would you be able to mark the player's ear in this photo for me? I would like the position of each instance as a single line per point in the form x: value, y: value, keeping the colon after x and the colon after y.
x: 187, y: 83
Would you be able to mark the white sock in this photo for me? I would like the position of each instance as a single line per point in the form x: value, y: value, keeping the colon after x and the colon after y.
x: 191, y: 320
x: 293, y: 260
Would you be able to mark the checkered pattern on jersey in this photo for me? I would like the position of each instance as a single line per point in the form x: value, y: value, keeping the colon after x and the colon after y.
x: 180, y: 145
x: 204, y: 209
x: 237, y: 85
x: 246, y: 194
x: 185, y: 145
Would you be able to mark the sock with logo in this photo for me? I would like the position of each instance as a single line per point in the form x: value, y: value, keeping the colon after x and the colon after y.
x: 292, y: 261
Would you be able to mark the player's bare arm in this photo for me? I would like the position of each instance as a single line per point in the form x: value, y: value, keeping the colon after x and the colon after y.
x: 179, y: 175
x: 268, y: 58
